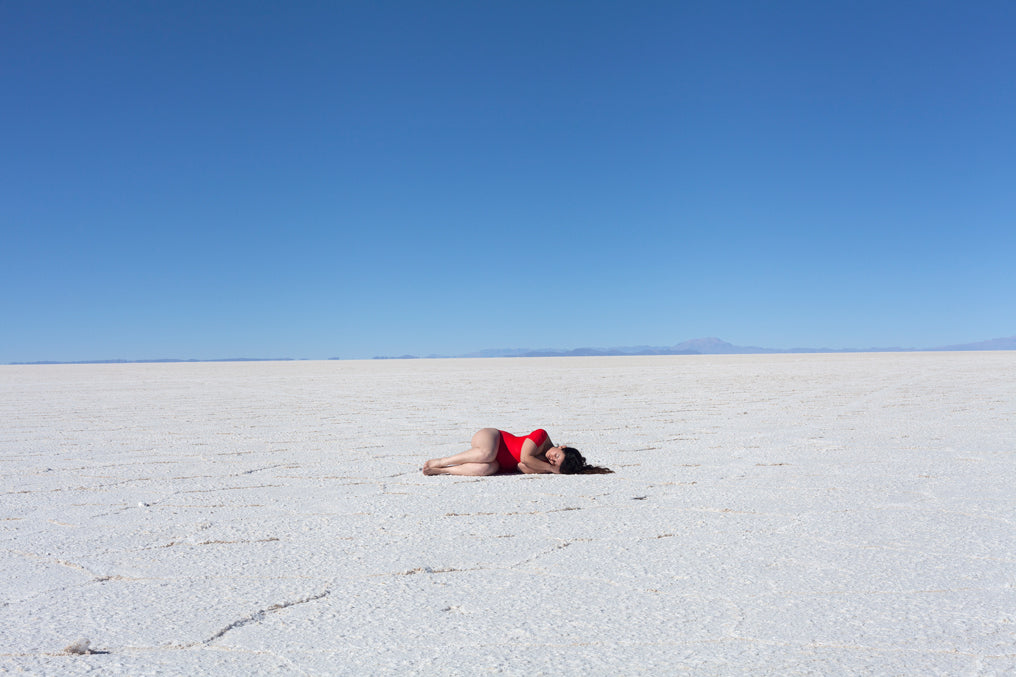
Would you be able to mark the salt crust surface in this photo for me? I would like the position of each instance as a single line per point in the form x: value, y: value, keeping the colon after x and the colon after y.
x: 781, y: 514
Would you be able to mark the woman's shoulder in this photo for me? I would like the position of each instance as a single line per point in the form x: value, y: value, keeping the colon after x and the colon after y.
x: 538, y: 436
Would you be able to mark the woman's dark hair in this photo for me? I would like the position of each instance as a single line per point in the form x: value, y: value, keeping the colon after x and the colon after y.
x: 574, y: 463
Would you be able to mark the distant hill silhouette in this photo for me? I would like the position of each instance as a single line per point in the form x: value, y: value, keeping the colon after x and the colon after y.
x: 700, y: 346
x: 1008, y: 343
x: 715, y: 346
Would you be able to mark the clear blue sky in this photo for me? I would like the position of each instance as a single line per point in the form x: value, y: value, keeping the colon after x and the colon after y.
x: 320, y: 179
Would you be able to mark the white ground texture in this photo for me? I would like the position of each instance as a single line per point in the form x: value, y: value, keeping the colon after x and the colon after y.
x: 770, y: 515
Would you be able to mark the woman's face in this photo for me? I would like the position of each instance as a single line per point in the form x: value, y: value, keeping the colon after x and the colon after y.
x: 554, y: 456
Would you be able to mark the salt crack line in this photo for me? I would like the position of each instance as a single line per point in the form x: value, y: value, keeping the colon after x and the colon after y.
x: 257, y: 616
x: 53, y: 560
x: 548, y: 551
x: 267, y: 467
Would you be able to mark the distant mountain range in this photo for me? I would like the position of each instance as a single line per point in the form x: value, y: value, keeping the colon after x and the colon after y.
x: 991, y: 344
x: 713, y: 346
x: 699, y: 346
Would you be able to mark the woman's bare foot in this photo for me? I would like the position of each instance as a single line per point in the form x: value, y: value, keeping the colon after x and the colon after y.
x: 430, y: 470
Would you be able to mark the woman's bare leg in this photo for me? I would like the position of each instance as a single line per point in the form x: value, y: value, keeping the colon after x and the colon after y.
x: 465, y: 469
x: 484, y: 451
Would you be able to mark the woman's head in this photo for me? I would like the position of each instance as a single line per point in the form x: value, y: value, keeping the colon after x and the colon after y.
x: 572, y: 461
x: 569, y: 461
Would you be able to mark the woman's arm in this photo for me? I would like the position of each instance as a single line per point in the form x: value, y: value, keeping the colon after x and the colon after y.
x: 532, y: 460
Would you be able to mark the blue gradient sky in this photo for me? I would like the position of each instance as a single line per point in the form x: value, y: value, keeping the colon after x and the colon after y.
x: 210, y: 180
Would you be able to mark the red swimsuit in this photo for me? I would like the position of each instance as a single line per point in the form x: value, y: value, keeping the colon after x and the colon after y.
x: 509, y: 447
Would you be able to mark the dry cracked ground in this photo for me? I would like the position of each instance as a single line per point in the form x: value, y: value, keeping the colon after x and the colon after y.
x: 781, y: 514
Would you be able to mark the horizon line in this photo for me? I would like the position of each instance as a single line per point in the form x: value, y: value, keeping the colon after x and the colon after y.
x: 689, y: 347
